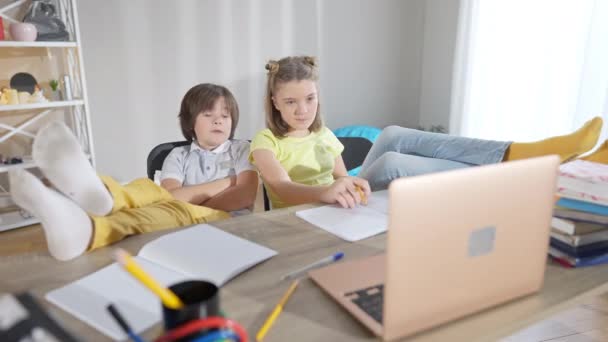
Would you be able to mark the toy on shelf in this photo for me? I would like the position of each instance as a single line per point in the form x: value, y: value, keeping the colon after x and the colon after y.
x: 3, y: 96
x: 38, y: 96
x: 24, y: 89
x: 9, y: 96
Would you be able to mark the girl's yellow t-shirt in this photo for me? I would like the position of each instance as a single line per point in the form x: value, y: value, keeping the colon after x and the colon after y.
x: 308, y: 160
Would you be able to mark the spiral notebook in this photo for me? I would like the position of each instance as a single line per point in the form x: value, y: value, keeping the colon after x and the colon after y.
x: 200, y: 252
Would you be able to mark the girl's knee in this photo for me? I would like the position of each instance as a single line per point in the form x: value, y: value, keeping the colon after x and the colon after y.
x: 394, y: 162
x: 393, y: 132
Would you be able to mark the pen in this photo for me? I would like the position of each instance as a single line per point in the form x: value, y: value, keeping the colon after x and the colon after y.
x: 323, y: 262
x: 167, y: 296
x: 275, y: 312
x: 122, y: 323
x: 362, y: 194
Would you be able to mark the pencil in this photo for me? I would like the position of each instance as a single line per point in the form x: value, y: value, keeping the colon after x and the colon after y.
x: 275, y: 312
x: 167, y: 296
x: 122, y: 323
x: 362, y: 194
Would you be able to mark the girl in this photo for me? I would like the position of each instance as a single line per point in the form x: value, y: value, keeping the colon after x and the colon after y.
x: 88, y: 212
x: 299, y: 158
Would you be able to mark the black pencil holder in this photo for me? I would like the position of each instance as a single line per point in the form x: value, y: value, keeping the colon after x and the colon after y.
x: 201, y: 299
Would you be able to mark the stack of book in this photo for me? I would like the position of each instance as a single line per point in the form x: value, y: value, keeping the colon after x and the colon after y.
x: 579, y: 229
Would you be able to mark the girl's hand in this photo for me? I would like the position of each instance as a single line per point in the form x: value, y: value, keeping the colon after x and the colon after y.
x: 344, y: 191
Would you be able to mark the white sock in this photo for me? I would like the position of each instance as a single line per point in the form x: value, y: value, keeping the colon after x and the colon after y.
x: 60, y: 158
x: 67, y: 227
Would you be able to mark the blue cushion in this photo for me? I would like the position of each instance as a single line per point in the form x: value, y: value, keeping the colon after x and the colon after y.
x: 368, y: 132
x: 354, y: 171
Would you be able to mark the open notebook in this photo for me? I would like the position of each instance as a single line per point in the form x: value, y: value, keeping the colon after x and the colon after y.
x: 200, y: 252
x: 351, y: 224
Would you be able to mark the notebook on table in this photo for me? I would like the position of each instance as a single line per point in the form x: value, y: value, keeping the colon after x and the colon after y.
x: 355, y: 224
x: 200, y: 252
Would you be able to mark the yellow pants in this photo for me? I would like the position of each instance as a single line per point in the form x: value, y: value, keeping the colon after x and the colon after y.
x: 142, y: 206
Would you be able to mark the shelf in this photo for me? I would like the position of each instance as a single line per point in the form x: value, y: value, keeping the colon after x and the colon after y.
x: 28, y: 164
x: 10, y: 43
x: 50, y: 104
x: 13, y: 219
x: 24, y: 165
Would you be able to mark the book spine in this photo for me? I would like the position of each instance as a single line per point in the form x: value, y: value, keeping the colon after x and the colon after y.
x: 579, y: 216
x: 583, y: 206
x: 599, y: 189
x: 569, y: 239
x: 562, y: 225
x: 588, y: 251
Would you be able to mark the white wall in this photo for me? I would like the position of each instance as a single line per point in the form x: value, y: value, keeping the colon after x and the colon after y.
x: 141, y: 57
x: 371, y: 54
x: 440, y: 31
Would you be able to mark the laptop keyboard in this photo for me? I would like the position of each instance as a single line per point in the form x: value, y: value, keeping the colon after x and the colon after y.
x: 370, y: 300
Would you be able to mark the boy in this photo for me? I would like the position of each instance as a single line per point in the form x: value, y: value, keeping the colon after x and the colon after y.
x: 86, y: 211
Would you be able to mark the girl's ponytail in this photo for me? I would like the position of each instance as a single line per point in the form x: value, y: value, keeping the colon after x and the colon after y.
x: 272, y: 67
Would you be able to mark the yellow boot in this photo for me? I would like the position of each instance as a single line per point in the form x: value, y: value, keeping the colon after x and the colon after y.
x: 600, y: 155
x: 566, y: 146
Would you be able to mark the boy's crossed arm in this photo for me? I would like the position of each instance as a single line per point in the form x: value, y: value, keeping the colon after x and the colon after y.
x: 238, y: 196
x: 228, y: 194
x: 197, y: 194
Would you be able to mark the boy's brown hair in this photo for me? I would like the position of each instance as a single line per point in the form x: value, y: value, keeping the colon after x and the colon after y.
x: 201, y: 98
x: 285, y: 70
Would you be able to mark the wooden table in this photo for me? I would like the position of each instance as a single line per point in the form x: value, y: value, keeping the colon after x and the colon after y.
x: 310, y: 315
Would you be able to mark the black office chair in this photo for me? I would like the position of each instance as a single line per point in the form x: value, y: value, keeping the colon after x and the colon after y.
x: 157, y: 156
x: 355, y: 151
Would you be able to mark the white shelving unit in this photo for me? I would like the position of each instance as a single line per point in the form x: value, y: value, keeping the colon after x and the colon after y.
x: 5, y: 43
x: 45, y: 60
x: 45, y: 105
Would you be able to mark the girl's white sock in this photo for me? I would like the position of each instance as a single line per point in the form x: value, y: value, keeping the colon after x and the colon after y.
x: 60, y: 158
x: 67, y: 227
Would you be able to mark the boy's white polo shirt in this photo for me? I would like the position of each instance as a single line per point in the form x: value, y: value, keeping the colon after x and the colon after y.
x: 192, y: 165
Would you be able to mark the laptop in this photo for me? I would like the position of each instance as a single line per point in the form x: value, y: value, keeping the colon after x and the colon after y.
x: 458, y: 242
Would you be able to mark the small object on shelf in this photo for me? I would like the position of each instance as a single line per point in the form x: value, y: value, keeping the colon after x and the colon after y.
x: 44, y: 15
x: 10, y: 160
x: 23, y: 81
x: 3, y: 96
x: 38, y: 96
x: 23, y: 32
x: 67, y: 88
x: 12, y: 96
x: 24, y: 97
x: 56, y: 94
x: 1, y: 29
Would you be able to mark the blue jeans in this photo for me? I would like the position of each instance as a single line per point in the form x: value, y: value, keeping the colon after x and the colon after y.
x: 401, y: 152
